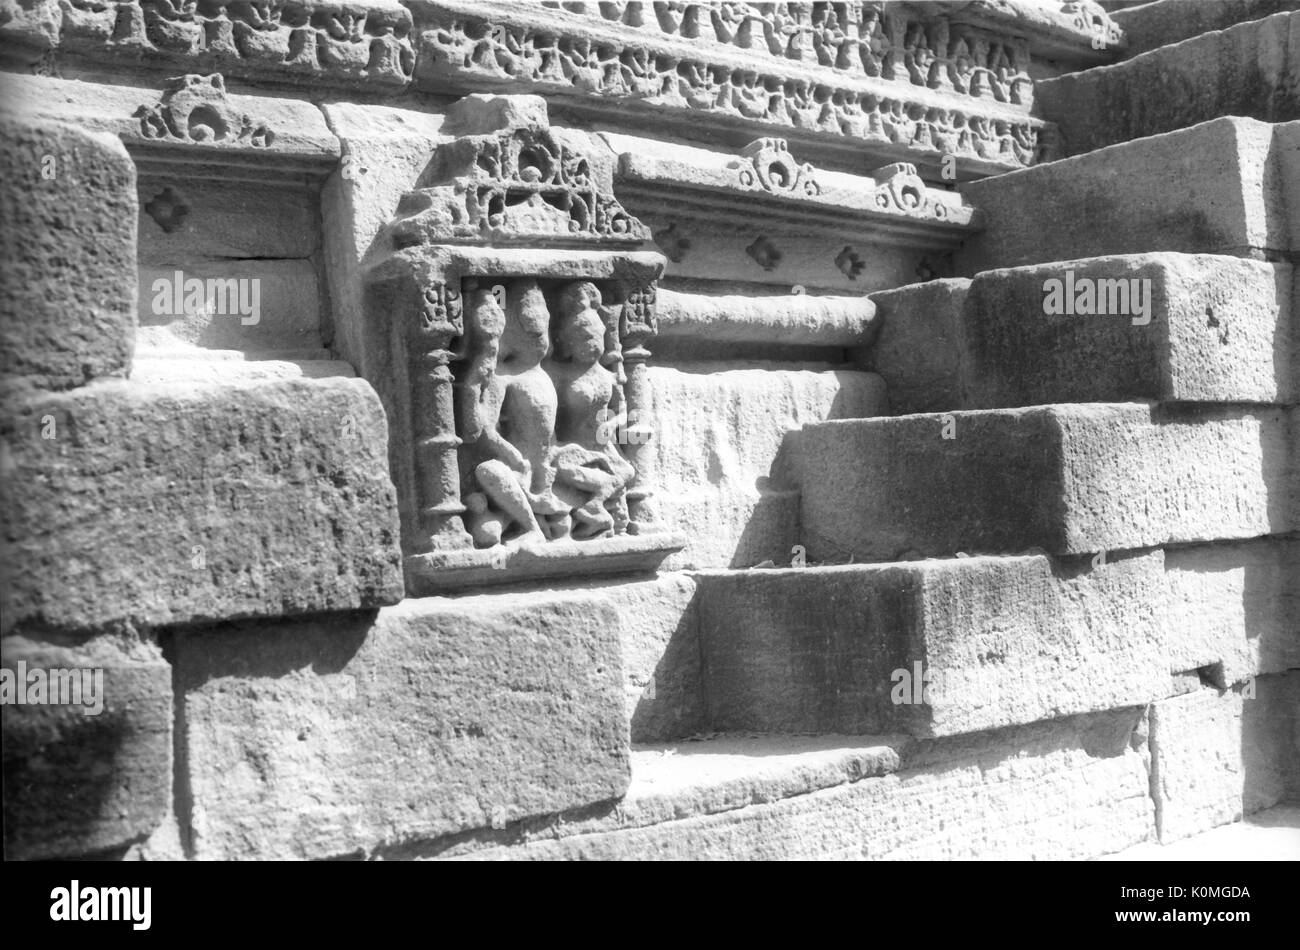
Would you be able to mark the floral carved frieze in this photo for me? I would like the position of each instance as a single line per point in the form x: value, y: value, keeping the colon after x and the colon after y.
x: 931, y: 98
x: 893, y: 41
x: 338, y: 40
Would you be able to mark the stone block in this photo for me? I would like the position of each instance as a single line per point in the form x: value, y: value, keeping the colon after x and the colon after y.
x: 67, y: 254
x: 1148, y: 26
x: 336, y: 737
x: 919, y: 350
x: 1067, y: 479
x: 1234, y: 608
x: 80, y: 782
x: 167, y: 504
x: 931, y: 648
x: 1165, y: 327
x: 661, y: 656
x: 1217, y: 754
x: 718, y: 429
x: 1212, y: 189
x: 1250, y: 69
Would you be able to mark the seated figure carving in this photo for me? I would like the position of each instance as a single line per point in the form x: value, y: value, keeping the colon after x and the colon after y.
x: 501, y: 472
x: 590, y: 474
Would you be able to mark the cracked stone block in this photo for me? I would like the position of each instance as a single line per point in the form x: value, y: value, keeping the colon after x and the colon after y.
x: 78, y: 783
x: 340, y: 736
x: 1234, y: 608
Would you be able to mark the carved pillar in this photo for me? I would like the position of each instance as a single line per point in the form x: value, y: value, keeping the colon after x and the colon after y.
x: 637, y: 325
x: 437, y: 476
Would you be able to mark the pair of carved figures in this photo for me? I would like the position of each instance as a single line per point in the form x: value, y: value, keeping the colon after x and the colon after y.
x: 535, y: 420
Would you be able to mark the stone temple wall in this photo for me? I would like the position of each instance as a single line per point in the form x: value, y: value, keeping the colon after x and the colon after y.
x: 449, y: 429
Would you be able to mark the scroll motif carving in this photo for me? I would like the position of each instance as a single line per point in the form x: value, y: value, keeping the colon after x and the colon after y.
x: 195, y: 109
x: 767, y: 164
x: 901, y: 189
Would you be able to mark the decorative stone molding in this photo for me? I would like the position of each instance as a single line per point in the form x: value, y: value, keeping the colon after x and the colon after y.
x: 195, y: 109
x: 887, y: 40
x: 902, y: 102
x: 900, y: 81
x: 523, y: 308
x: 892, y: 205
x: 336, y: 41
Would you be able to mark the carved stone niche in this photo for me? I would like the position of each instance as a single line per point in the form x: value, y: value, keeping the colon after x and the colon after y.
x: 511, y: 323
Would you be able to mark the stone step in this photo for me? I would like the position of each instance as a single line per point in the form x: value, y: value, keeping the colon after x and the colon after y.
x: 1165, y: 327
x: 1222, y: 187
x: 1070, y: 788
x: 1251, y: 69
x: 930, y: 648
x: 1066, y: 479
x: 1148, y: 26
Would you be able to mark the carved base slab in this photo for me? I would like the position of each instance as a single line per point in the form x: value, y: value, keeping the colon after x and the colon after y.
x: 443, y: 571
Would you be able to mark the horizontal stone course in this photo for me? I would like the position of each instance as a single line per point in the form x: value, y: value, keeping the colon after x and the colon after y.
x: 1165, y: 327
x: 164, y: 504
x: 1148, y: 26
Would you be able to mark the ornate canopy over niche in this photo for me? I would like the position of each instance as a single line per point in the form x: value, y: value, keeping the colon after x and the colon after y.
x: 516, y: 307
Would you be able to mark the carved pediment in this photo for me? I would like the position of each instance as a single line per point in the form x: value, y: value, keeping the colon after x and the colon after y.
x: 522, y: 184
